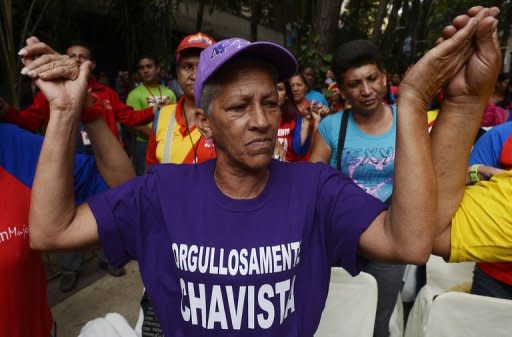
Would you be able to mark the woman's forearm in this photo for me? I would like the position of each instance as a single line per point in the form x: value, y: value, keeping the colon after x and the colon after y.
x: 452, y: 137
x: 113, y: 164
x: 304, y: 131
x: 413, y: 209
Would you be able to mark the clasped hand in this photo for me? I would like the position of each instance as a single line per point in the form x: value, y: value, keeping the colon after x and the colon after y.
x: 59, y: 77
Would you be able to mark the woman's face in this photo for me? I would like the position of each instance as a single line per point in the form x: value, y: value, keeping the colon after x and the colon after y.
x: 245, y: 117
x: 281, y: 92
x: 299, y: 89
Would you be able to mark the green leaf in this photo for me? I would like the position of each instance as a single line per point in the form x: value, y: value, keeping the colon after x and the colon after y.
x: 327, y: 58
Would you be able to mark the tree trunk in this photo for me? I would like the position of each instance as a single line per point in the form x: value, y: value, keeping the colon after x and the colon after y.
x: 306, y: 7
x: 421, y: 35
x: 255, y: 18
x: 389, y: 34
x: 379, y: 19
x: 397, y: 37
x: 506, y: 18
x: 357, y: 9
x: 199, y: 17
x: 411, y: 27
x: 326, y: 24
x: 405, y: 13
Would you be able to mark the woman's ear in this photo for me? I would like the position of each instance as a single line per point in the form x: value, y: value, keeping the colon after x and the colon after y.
x: 203, y: 123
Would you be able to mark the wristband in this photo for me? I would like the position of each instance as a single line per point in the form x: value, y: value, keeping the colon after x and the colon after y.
x: 473, y: 174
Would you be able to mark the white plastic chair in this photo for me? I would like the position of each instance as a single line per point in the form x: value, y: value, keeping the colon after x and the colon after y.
x: 112, y: 325
x: 138, y: 325
x: 449, y: 276
x: 350, y: 307
x: 441, y: 278
x: 396, y: 321
x: 464, y: 315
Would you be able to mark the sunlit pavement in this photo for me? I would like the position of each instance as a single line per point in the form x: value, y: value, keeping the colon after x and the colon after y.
x: 107, y: 294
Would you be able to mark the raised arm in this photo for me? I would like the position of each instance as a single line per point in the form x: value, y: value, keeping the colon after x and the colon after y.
x: 111, y: 160
x: 320, y: 150
x: 54, y: 220
x: 406, y: 232
x: 465, y: 98
x: 126, y: 115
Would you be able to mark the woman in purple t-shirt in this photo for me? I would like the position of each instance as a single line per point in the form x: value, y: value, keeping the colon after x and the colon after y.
x: 243, y: 245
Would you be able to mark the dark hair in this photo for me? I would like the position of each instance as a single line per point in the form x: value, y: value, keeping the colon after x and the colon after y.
x: 355, y: 54
x: 305, y: 66
x: 149, y: 57
x: 301, y: 75
x: 289, y: 109
x: 84, y: 44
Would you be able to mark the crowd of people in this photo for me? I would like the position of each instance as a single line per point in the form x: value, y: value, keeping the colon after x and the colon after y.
x: 237, y: 234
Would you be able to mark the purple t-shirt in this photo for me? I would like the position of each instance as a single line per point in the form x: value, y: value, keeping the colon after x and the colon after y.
x: 215, y: 266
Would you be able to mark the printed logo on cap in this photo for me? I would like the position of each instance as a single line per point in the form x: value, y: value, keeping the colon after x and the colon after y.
x: 222, y: 47
x: 199, y: 38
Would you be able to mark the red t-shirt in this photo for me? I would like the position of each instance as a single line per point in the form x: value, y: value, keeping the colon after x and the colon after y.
x: 108, y: 105
x: 499, y: 271
x: 285, y: 137
x: 24, y: 310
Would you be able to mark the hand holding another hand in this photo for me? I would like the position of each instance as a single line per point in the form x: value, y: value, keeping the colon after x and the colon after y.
x: 59, y: 77
x: 279, y: 151
x: 41, y: 61
x: 456, y: 51
x: 487, y: 172
x: 475, y: 81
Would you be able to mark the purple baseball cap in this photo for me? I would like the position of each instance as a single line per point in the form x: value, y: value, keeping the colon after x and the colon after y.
x: 213, y: 57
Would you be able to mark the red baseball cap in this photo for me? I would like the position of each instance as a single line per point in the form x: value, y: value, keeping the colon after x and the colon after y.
x: 198, y: 40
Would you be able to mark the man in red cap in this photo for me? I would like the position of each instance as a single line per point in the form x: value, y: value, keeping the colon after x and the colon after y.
x: 185, y: 143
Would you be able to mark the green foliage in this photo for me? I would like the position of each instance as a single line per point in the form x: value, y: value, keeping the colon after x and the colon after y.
x: 123, y: 29
x: 360, y: 14
x: 18, y: 20
x: 120, y: 30
x: 308, y: 53
x: 357, y: 20
x: 443, y: 11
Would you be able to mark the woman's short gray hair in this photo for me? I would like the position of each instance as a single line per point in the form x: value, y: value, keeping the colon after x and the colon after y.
x: 213, y: 85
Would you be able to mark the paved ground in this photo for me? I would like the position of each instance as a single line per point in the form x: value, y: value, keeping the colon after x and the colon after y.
x: 103, y: 295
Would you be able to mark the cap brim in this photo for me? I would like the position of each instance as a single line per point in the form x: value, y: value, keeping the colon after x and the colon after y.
x: 198, y: 45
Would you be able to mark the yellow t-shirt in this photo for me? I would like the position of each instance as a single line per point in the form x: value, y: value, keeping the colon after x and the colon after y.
x: 481, y: 229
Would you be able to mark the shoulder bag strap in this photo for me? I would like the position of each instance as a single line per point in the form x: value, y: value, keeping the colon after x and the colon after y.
x: 341, y: 138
